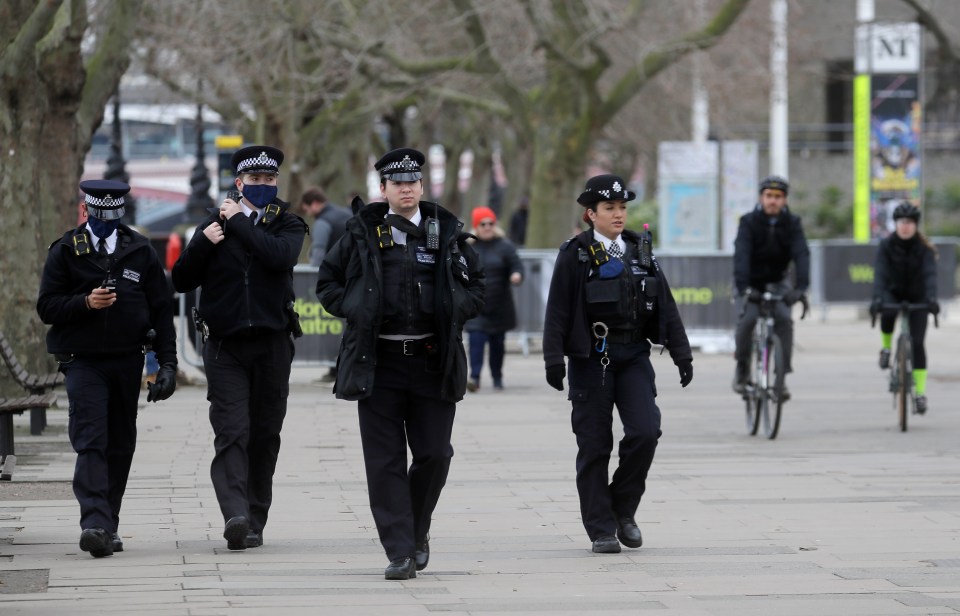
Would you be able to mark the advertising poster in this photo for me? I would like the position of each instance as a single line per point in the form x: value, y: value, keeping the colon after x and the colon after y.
x: 895, y: 161
x: 689, y: 212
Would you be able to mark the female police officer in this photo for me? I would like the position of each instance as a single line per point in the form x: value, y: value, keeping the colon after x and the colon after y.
x: 608, y: 300
x: 103, y: 290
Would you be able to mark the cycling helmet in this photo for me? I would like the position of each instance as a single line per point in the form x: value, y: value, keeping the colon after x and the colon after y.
x: 775, y: 182
x: 907, y: 210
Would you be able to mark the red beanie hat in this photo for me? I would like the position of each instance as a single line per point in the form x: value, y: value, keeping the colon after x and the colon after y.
x: 479, y: 213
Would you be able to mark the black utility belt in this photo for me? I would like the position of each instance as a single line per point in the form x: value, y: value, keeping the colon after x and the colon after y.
x: 622, y: 336
x: 411, y: 346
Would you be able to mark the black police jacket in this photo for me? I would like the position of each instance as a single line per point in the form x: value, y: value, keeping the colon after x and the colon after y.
x: 762, y: 252
x: 144, y: 299
x: 566, y: 329
x: 350, y: 285
x: 246, y: 279
x: 905, y: 270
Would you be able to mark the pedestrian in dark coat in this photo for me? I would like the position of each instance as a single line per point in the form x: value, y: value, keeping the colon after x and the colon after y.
x: 406, y: 280
x: 502, y: 270
x: 106, y: 297
x: 242, y: 257
x: 608, y: 301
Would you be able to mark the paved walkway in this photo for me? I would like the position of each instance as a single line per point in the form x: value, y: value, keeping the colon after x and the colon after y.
x: 842, y: 514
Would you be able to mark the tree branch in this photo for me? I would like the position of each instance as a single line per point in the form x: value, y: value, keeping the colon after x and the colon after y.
x: 545, y: 40
x: 107, y: 64
x: 655, y: 62
x: 926, y: 19
x: 15, y: 55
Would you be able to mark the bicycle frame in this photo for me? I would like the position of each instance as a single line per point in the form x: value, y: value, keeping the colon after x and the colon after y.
x: 766, y: 387
x: 901, y: 368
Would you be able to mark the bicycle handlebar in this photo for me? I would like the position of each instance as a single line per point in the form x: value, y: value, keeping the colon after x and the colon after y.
x: 769, y: 297
x: 907, y: 307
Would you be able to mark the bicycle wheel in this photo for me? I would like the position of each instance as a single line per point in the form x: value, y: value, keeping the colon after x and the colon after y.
x: 773, y: 392
x: 905, y: 379
x: 750, y: 397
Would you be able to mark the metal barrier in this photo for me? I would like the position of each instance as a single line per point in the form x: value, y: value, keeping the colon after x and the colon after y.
x: 702, y: 285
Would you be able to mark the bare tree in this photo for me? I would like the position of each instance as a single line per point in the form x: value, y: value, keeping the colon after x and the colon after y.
x: 944, y: 103
x: 562, y: 108
x: 57, y: 72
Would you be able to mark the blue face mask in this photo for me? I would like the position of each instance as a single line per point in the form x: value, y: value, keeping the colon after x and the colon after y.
x: 103, y: 228
x: 259, y: 194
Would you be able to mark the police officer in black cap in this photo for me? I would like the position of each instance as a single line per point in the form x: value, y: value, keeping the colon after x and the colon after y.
x: 106, y: 298
x: 608, y: 301
x: 242, y: 256
x: 406, y: 281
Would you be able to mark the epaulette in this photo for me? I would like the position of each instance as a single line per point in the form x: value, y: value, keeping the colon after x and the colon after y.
x: 566, y: 244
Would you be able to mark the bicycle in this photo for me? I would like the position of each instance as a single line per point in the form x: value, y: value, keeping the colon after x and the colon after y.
x: 901, y: 368
x: 763, y: 395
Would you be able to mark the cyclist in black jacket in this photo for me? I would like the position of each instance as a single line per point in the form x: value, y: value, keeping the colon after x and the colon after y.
x: 906, y: 271
x: 769, y: 238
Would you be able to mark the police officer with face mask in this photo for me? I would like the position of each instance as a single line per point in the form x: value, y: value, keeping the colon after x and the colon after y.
x: 608, y: 301
x: 105, y: 296
x: 242, y: 257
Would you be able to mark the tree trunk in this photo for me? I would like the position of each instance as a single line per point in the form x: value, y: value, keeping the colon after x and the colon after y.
x: 50, y: 105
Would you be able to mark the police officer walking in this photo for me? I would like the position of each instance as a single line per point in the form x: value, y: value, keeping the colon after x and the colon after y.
x: 106, y: 298
x: 406, y: 281
x: 768, y: 239
x: 243, y: 257
x: 608, y: 301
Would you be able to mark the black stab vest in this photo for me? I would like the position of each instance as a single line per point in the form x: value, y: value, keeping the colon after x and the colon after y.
x: 625, y: 302
x: 409, y: 275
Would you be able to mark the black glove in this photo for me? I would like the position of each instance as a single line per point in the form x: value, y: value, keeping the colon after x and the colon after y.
x: 875, y: 306
x: 753, y: 295
x: 555, y: 376
x: 686, y: 372
x: 165, y: 385
x: 934, y: 307
x: 792, y: 296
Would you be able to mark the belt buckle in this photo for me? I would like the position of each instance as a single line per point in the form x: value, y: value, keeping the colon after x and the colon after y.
x: 407, y: 351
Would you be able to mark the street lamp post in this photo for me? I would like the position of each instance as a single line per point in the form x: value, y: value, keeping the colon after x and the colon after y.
x: 199, y: 199
x: 116, y: 165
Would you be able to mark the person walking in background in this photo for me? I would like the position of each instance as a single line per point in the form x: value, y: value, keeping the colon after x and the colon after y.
x: 608, y: 301
x: 406, y: 280
x: 906, y: 271
x: 330, y: 223
x: 518, y: 223
x: 242, y: 257
x: 502, y: 268
x: 104, y: 292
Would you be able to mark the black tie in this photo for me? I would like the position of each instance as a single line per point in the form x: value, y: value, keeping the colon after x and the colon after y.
x: 253, y: 217
x: 102, y: 247
x: 402, y: 224
x: 615, y: 250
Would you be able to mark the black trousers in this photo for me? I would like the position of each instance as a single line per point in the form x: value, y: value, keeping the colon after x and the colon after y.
x: 248, y: 381
x: 629, y: 385
x: 405, y: 409
x: 103, y: 394
x: 918, y: 331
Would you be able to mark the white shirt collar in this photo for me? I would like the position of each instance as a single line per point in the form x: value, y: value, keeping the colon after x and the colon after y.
x: 399, y: 236
x: 95, y: 239
x: 606, y: 241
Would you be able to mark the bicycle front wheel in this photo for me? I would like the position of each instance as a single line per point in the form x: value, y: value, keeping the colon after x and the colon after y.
x: 902, y: 395
x: 751, y: 398
x: 773, y: 392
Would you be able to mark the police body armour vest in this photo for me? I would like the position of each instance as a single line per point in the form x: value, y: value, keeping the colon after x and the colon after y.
x: 409, y: 274
x: 626, y: 301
